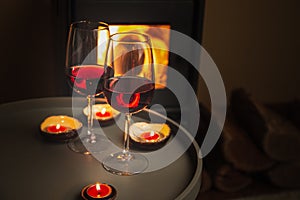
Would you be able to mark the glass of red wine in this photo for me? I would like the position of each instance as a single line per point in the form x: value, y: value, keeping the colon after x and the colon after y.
x: 129, y: 90
x: 85, y: 69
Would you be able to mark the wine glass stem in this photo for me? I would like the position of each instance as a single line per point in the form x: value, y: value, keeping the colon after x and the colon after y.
x: 126, y: 134
x: 90, y: 132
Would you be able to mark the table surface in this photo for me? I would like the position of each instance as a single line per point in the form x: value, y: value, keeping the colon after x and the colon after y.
x: 37, y: 169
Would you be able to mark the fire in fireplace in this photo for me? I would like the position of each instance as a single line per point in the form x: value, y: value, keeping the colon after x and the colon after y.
x: 160, y: 37
x: 157, y: 19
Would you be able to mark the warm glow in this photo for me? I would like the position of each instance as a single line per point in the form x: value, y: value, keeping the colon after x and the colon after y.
x: 152, y: 133
x: 160, y: 37
x: 151, y: 136
x: 56, y: 128
x: 102, y: 44
x: 98, y: 188
x: 103, y: 111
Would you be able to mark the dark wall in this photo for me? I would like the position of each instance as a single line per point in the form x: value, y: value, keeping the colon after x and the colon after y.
x: 32, y: 37
x: 255, y: 45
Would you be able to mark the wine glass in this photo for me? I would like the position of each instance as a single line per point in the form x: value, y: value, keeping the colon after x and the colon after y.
x: 129, y: 90
x: 85, y: 55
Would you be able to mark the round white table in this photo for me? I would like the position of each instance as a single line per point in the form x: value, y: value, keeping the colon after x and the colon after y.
x: 33, y: 168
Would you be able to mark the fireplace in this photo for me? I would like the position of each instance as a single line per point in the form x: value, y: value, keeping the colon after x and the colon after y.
x: 185, y: 16
x: 160, y: 37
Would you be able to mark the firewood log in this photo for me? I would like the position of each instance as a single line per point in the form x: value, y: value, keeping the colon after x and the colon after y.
x: 223, y: 176
x: 285, y: 175
x: 229, y: 179
x: 240, y: 150
x: 290, y: 110
x: 277, y: 136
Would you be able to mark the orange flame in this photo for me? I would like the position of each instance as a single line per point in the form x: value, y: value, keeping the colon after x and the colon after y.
x: 160, y: 37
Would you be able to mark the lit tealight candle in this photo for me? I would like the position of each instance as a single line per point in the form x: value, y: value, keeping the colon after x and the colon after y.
x: 98, y: 191
x: 150, y: 136
x: 104, y: 113
x: 56, y: 128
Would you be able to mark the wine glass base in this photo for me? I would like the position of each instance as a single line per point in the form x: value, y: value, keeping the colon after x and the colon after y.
x: 84, y: 146
x: 125, y: 164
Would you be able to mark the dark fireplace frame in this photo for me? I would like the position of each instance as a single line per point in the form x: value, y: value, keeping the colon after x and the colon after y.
x: 185, y: 16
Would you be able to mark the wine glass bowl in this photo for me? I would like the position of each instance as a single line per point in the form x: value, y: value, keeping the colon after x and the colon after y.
x: 132, y: 86
x: 84, y: 79
x: 129, y: 94
x: 84, y: 66
x: 129, y: 89
x: 87, y: 43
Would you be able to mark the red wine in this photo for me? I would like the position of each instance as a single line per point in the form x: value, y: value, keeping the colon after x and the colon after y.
x: 87, y: 79
x: 129, y: 94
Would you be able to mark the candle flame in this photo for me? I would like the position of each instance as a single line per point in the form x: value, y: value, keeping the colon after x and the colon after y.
x: 152, y: 133
x: 98, y: 188
x: 103, y: 110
